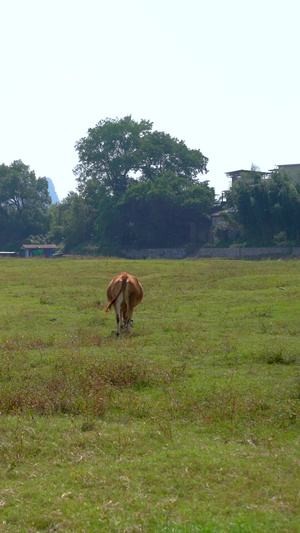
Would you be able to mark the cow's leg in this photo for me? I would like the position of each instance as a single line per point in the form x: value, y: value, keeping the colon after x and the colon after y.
x: 130, y: 307
x: 123, y: 314
x: 118, y: 325
x: 128, y: 318
x: 117, y: 306
x: 128, y: 311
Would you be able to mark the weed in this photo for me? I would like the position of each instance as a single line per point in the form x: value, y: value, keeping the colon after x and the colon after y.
x: 280, y: 358
x: 279, y: 355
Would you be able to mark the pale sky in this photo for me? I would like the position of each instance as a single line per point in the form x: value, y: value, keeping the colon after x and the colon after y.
x: 221, y: 75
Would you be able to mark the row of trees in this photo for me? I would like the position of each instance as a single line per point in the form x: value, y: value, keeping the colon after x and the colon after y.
x: 141, y: 188
x: 265, y: 211
x: 136, y: 187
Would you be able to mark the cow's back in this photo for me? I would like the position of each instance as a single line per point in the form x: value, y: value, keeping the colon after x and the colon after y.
x: 115, y: 285
x: 127, y: 285
x: 133, y: 291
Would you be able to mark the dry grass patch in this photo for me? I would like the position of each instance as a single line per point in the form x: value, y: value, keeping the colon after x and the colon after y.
x: 76, y: 384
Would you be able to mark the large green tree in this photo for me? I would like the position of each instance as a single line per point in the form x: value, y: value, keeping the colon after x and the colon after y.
x: 119, y: 152
x: 24, y: 201
x: 141, y: 186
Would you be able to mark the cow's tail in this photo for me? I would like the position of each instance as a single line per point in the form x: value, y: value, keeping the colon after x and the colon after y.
x: 124, y: 279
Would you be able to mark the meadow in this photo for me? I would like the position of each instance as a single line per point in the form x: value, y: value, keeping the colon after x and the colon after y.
x: 188, y: 424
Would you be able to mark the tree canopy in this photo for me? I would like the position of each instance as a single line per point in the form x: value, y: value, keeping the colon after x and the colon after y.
x: 24, y: 200
x: 159, y: 212
x: 142, y: 188
x: 120, y: 152
x: 268, y: 210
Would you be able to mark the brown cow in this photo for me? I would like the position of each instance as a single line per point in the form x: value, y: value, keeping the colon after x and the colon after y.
x: 124, y: 292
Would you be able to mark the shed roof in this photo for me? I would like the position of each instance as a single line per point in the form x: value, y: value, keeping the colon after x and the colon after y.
x: 38, y: 246
x: 6, y: 253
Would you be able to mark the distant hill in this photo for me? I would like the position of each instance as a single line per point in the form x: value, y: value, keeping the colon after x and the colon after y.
x: 52, y: 191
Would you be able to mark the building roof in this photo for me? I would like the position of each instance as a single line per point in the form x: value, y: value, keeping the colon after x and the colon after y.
x: 38, y: 246
x: 290, y: 165
x: 11, y: 253
x: 239, y: 172
x: 236, y: 172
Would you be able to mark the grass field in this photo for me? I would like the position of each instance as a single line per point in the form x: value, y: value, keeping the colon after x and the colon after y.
x: 188, y: 424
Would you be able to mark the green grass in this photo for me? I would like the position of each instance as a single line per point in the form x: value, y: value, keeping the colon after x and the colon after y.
x: 188, y: 424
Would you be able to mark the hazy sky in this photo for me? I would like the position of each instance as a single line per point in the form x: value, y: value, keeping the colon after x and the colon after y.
x: 223, y: 76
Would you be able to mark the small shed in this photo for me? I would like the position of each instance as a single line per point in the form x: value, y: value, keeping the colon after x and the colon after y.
x: 39, y: 250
